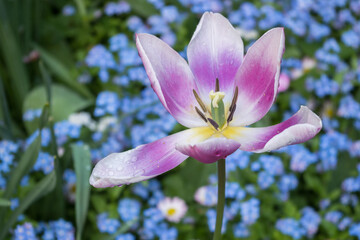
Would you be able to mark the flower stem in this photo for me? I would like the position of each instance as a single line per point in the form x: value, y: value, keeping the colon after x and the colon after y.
x: 221, y: 199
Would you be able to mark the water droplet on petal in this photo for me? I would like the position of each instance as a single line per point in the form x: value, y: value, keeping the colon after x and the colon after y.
x: 111, y: 173
x: 119, y: 168
x: 133, y: 159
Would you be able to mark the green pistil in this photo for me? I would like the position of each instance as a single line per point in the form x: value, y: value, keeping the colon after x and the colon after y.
x: 218, y: 113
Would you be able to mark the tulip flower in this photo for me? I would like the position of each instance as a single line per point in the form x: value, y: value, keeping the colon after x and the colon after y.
x: 217, y: 95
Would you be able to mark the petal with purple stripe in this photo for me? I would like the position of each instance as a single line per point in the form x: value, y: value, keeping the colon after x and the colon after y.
x: 145, y: 161
x: 171, y: 79
x: 215, y: 51
x: 258, y: 78
x: 301, y: 127
x: 210, y: 150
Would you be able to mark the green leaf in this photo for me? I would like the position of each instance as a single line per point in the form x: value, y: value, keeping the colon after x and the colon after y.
x: 5, y: 113
x: 42, y: 188
x: 81, y: 7
x: 345, y: 165
x: 12, y: 56
x: 47, y: 81
x: 25, y: 164
x: 44, y: 118
x: 4, y: 202
x: 328, y: 227
x: 59, y: 69
x: 82, y: 164
x: 290, y: 210
x: 64, y: 103
x: 143, y: 8
x: 190, y: 177
x: 28, y: 159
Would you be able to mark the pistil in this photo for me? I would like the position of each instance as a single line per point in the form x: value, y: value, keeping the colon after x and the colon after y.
x: 217, y: 107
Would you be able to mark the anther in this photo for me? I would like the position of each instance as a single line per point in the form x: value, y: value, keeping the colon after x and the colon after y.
x: 233, y: 103
x: 201, y: 114
x: 231, y: 115
x: 215, y: 125
x: 217, y: 85
x: 202, y: 105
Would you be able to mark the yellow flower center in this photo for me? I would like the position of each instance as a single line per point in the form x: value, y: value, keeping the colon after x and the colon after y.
x: 171, y: 211
x: 217, y: 117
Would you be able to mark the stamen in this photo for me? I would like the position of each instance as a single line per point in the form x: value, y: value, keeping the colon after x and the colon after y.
x: 217, y: 85
x: 215, y: 125
x: 202, y: 105
x: 230, y: 118
x: 201, y: 114
x: 234, y: 100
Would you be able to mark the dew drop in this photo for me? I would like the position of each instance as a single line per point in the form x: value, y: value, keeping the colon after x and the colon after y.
x: 111, y: 173
x: 133, y: 159
x: 119, y: 168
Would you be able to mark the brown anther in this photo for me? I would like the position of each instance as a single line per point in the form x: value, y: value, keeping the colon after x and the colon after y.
x: 231, y: 115
x: 215, y: 125
x: 234, y: 100
x: 217, y: 85
x: 201, y: 114
x: 202, y: 105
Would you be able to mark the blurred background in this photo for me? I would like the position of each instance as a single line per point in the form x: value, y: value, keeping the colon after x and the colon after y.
x: 73, y: 90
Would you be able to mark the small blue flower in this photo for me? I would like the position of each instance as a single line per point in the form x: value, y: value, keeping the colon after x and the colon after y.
x: 127, y: 236
x: 25, y: 232
x: 118, y: 8
x: 129, y: 209
x: 14, y: 203
x: 250, y: 211
x: 290, y: 227
x: 287, y: 182
x: 272, y: 164
x: 344, y: 223
x: 333, y: 216
x: 107, y: 225
x: 310, y: 220
x: 140, y: 190
x: 355, y: 230
x: 265, y: 180
x: 351, y: 39
x: 118, y: 42
x: 44, y: 163
x: 68, y: 10
x: 241, y: 230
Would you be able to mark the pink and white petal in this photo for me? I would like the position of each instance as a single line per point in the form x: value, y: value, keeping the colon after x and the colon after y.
x: 210, y: 150
x: 215, y: 51
x: 258, y: 78
x: 145, y: 161
x: 171, y: 79
x: 301, y: 127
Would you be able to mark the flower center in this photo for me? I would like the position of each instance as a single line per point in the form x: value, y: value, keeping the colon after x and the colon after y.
x: 171, y: 211
x: 216, y: 115
x: 217, y: 107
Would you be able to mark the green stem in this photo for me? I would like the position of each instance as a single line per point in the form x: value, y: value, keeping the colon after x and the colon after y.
x: 221, y: 199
